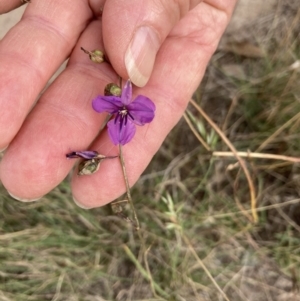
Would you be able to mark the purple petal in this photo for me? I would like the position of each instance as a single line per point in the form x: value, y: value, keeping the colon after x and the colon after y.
x: 126, y: 96
x: 142, y: 110
x: 83, y: 154
x: 109, y: 104
x: 123, y: 134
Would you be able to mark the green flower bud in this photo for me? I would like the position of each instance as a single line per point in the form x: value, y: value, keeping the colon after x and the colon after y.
x: 112, y: 90
x: 96, y: 56
x: 88, y: 167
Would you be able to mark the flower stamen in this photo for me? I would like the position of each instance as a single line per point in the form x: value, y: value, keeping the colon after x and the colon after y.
x: 123, y: 112
x: 130, y: 115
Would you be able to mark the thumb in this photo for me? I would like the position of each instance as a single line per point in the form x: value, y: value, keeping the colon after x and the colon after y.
x: 133, y: 31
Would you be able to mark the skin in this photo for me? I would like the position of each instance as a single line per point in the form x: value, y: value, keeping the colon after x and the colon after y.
x: 63, y: 120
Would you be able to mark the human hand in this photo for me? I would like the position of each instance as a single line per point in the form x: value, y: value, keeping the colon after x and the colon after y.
x: 186, y: 33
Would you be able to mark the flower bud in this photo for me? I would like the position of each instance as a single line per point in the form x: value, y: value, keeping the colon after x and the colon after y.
x: 118, y: 210
x: 88, y: 167
x: 84, y: 155
x: 112, y: 90
x: 96, y: 56
x: 91, y: 163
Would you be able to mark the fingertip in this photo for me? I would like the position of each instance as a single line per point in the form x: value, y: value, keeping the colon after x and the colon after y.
x: 24, y: 200
x: 92, y: 191
x: 133, y: 32
x: 82, y: 206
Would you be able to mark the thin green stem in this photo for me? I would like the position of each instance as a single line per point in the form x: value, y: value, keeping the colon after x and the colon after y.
x: 145, y: 273
x: 106, y: 120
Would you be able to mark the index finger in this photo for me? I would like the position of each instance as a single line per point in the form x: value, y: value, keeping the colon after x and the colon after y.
x: 31, y: 52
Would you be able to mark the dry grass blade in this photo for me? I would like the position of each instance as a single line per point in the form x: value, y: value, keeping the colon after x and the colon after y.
x: 258, y: 209
x: 144, y: 273
x: 207, y: 272
x: 251, y: 155
x: 206, y: 146
x: 278, y: 131
x: 240, y: 160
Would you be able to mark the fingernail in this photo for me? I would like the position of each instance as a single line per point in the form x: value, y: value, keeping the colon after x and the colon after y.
x: 80, y: 205
x: 140, y: 55
x: 21, y: 199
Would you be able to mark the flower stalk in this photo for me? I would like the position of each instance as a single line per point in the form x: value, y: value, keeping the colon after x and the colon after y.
x: 137, y: 224
x: 124, y: 114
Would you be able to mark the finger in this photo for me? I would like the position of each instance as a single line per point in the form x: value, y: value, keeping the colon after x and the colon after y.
x: 179, y: 67
x: 134, y: 30
x: 31, y: 52
x: 62, y: 121
x: 6, y: 6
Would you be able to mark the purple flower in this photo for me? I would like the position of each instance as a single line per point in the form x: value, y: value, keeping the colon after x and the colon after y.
x: 88, y: 155
x: 127, y: 113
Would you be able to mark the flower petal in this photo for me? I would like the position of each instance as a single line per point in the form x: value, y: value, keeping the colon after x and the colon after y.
x: 126, y: 96
x: 121, y: 134
x: 109, y: 104
x: 142, y: 110
x: 82, y: 154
